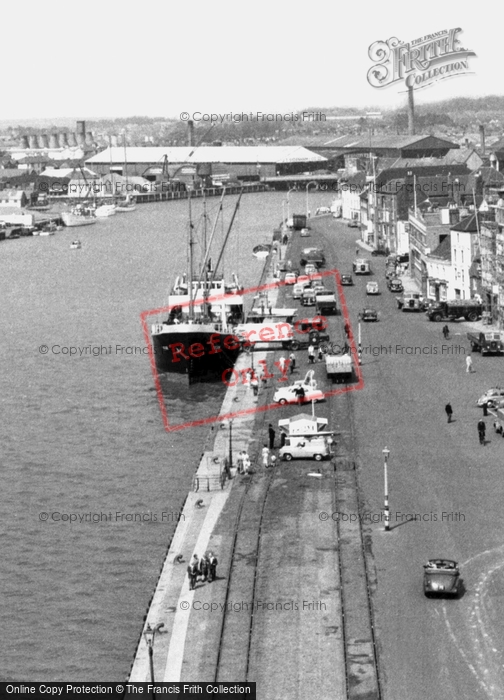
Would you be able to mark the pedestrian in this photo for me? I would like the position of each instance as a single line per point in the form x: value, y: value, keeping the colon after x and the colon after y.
x: 265, y: 456
x: 485, y: 408
x: 240, y: 462
x: 347, y: 329
x: 246, y: 462
x: 281, y: 364
x: 292, y: 359
x: 255, y: 385
x: 311, y: 354
x: 300, y: 393
x: 469, y: 364
x: 446, y: 332
x: 204, y: 568
x: 320, y: 354
x: 212, y: 566
x: 264, y: 380
x: 481, y: 431
x: 449, y: 412
x: 271, y: 433
x: 193, y: 571
x: 283, y: 438
x: 357, y: 252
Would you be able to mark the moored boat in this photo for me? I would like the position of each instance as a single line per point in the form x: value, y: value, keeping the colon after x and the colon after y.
x: 105, y: 210
x: 125, y: 205
x: 78, y: 216
x: 75, y: 245
x: 197, y: 338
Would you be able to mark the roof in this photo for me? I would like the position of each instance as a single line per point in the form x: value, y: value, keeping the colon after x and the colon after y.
x: 443, y: 250
x: 497, y: 146
x: 12, y: 194
x: 207, y: 154
x: 385, y: 141
x: 468, y: 225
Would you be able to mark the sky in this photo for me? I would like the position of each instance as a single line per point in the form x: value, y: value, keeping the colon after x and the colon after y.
x: 161, y: 58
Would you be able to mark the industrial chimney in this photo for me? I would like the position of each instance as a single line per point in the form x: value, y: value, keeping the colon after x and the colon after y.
x: 482, y: 138
x: 190, y: 127
x: 411, y: 112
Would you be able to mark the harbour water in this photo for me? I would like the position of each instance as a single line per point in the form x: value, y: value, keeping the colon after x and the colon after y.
x: 91, y: 483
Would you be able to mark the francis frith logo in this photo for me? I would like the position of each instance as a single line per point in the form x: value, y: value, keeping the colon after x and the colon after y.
x: 419, y: 63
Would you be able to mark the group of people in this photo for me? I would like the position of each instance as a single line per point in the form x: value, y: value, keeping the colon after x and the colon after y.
x: 312, y: 352
x: 204, y: 569
x: 243, y: 462
x: 481, y: 423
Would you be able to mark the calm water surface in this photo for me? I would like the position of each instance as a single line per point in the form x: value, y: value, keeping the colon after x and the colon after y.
x: 82, y: 436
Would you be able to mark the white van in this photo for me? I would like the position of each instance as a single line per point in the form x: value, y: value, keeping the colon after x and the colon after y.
x: 305, y: 447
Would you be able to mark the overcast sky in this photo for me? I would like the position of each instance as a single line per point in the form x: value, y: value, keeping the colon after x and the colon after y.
x: 161, y: 58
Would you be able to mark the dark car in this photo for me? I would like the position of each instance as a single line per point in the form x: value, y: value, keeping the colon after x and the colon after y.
x: 347, y: 280
x: 441, y: 578
x: 353, y: 223
x: 369, y: 314
x: 395, y: 285
x: 380, y: 251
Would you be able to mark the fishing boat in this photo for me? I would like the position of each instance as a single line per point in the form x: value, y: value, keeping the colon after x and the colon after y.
x: 75, y: 245
x: 79, y: 215
x: 197, y: 338
x: 125, y: 205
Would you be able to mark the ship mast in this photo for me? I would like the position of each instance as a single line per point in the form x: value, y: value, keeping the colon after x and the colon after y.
x: 191, y: 244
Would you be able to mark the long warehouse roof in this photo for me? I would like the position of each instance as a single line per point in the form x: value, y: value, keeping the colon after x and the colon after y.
x: 207, y: 154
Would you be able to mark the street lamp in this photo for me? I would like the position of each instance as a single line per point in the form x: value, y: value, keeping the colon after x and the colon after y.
x: 293, y: 189
x: 230, y: 444
x: 307, y: 186
x: 283, y: 212
x: 386, y: 453
x: 149, y: 634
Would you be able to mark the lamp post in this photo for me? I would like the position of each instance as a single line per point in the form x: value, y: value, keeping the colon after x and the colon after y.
x: 230, y: 444
x: 149, y: 634
x: 293, y: 189
x: 307, y: 186
x: 386, y: 510
x: 284, y: 201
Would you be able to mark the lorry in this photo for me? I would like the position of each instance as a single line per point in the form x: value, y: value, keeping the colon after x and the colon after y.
x: 411, y: 301
x: 312, y: 255
x: 325, y: 304
x: 470, y: 309
x: 339, y: 367
x: 487, y: 342
x: 361, y: 266
x: 298, y: 221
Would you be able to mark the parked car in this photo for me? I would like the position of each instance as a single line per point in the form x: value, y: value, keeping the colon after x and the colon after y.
x: 347, y: 280
x: 297, y: 289
x: 372, y: 288
x: 361, y: 266
x: 310, y: 268
x: 411, y: 301
x: 369, y: 314
x: 289, y: 394
x: 395, y: 285
x: 290, y: 278
x: 492, y: 397
x: 322, y: 210
x: 441, y: 578
x: 305, y: 447
x: 353, y: 223
x: 379, y: 251
x: 305, y: 232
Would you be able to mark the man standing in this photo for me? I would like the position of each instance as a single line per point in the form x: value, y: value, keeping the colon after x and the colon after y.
x: 449, y: 412
x: 481, y: 431
x: 265, y: 456
x: 255, y: 385
x: 446, y: 332
x: 469, y: 364
x: 271, y: 433
x: 292, y: 359
x: 281, y: 364
x: 311, y: 354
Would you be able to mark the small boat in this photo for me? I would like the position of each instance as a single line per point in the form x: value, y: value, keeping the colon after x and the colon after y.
x: 105, y: 210
x: 46, y: 232
x: 75, y: 245
x: 78, y: 216
x: 261, y: 251
x: 125, y: 205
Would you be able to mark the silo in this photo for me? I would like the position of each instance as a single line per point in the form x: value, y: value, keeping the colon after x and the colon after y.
x: 53, y: 141
x: 32, y: 141
x: 89, y: 138
x: 72, y: 141
x: 80, y: 138
x: 62, y: 139
x: 81, y: 128
x: 43, y: 141
x: 24, y: 142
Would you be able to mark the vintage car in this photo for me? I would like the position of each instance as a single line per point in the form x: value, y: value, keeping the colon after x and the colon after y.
x: 305, y: 447
x: 293, y: 393
x: 304, y: 232
x: 372, y: 288
x: 441, y: 578
x: 368, y: 314
x: 290, y: 278
x: 493, y: 397
x: 347, y: 280
x: 353, y: 223
x: 379, y: 251
x: 411, y: 301
x: 395, y: 285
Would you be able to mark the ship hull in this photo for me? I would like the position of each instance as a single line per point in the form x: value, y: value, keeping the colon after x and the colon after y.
x: 197, y: 351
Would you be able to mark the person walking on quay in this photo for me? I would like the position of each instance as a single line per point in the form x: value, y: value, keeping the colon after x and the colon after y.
x: 193, y: 571
x: 446, y: 332
x: 292, y: 359
x: 204, y: 568
x: 254, y: 383
x: 311, y: 354
x: 271, y: 433
x: 320, y: 355
x: 265, y: 456
x: 347, y: 329
x: 246, y: 462
x: 481, y: 431
x: 469, y: 364
x: 281, y: 363
x: 212, y: 566
x: 449, y: 412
